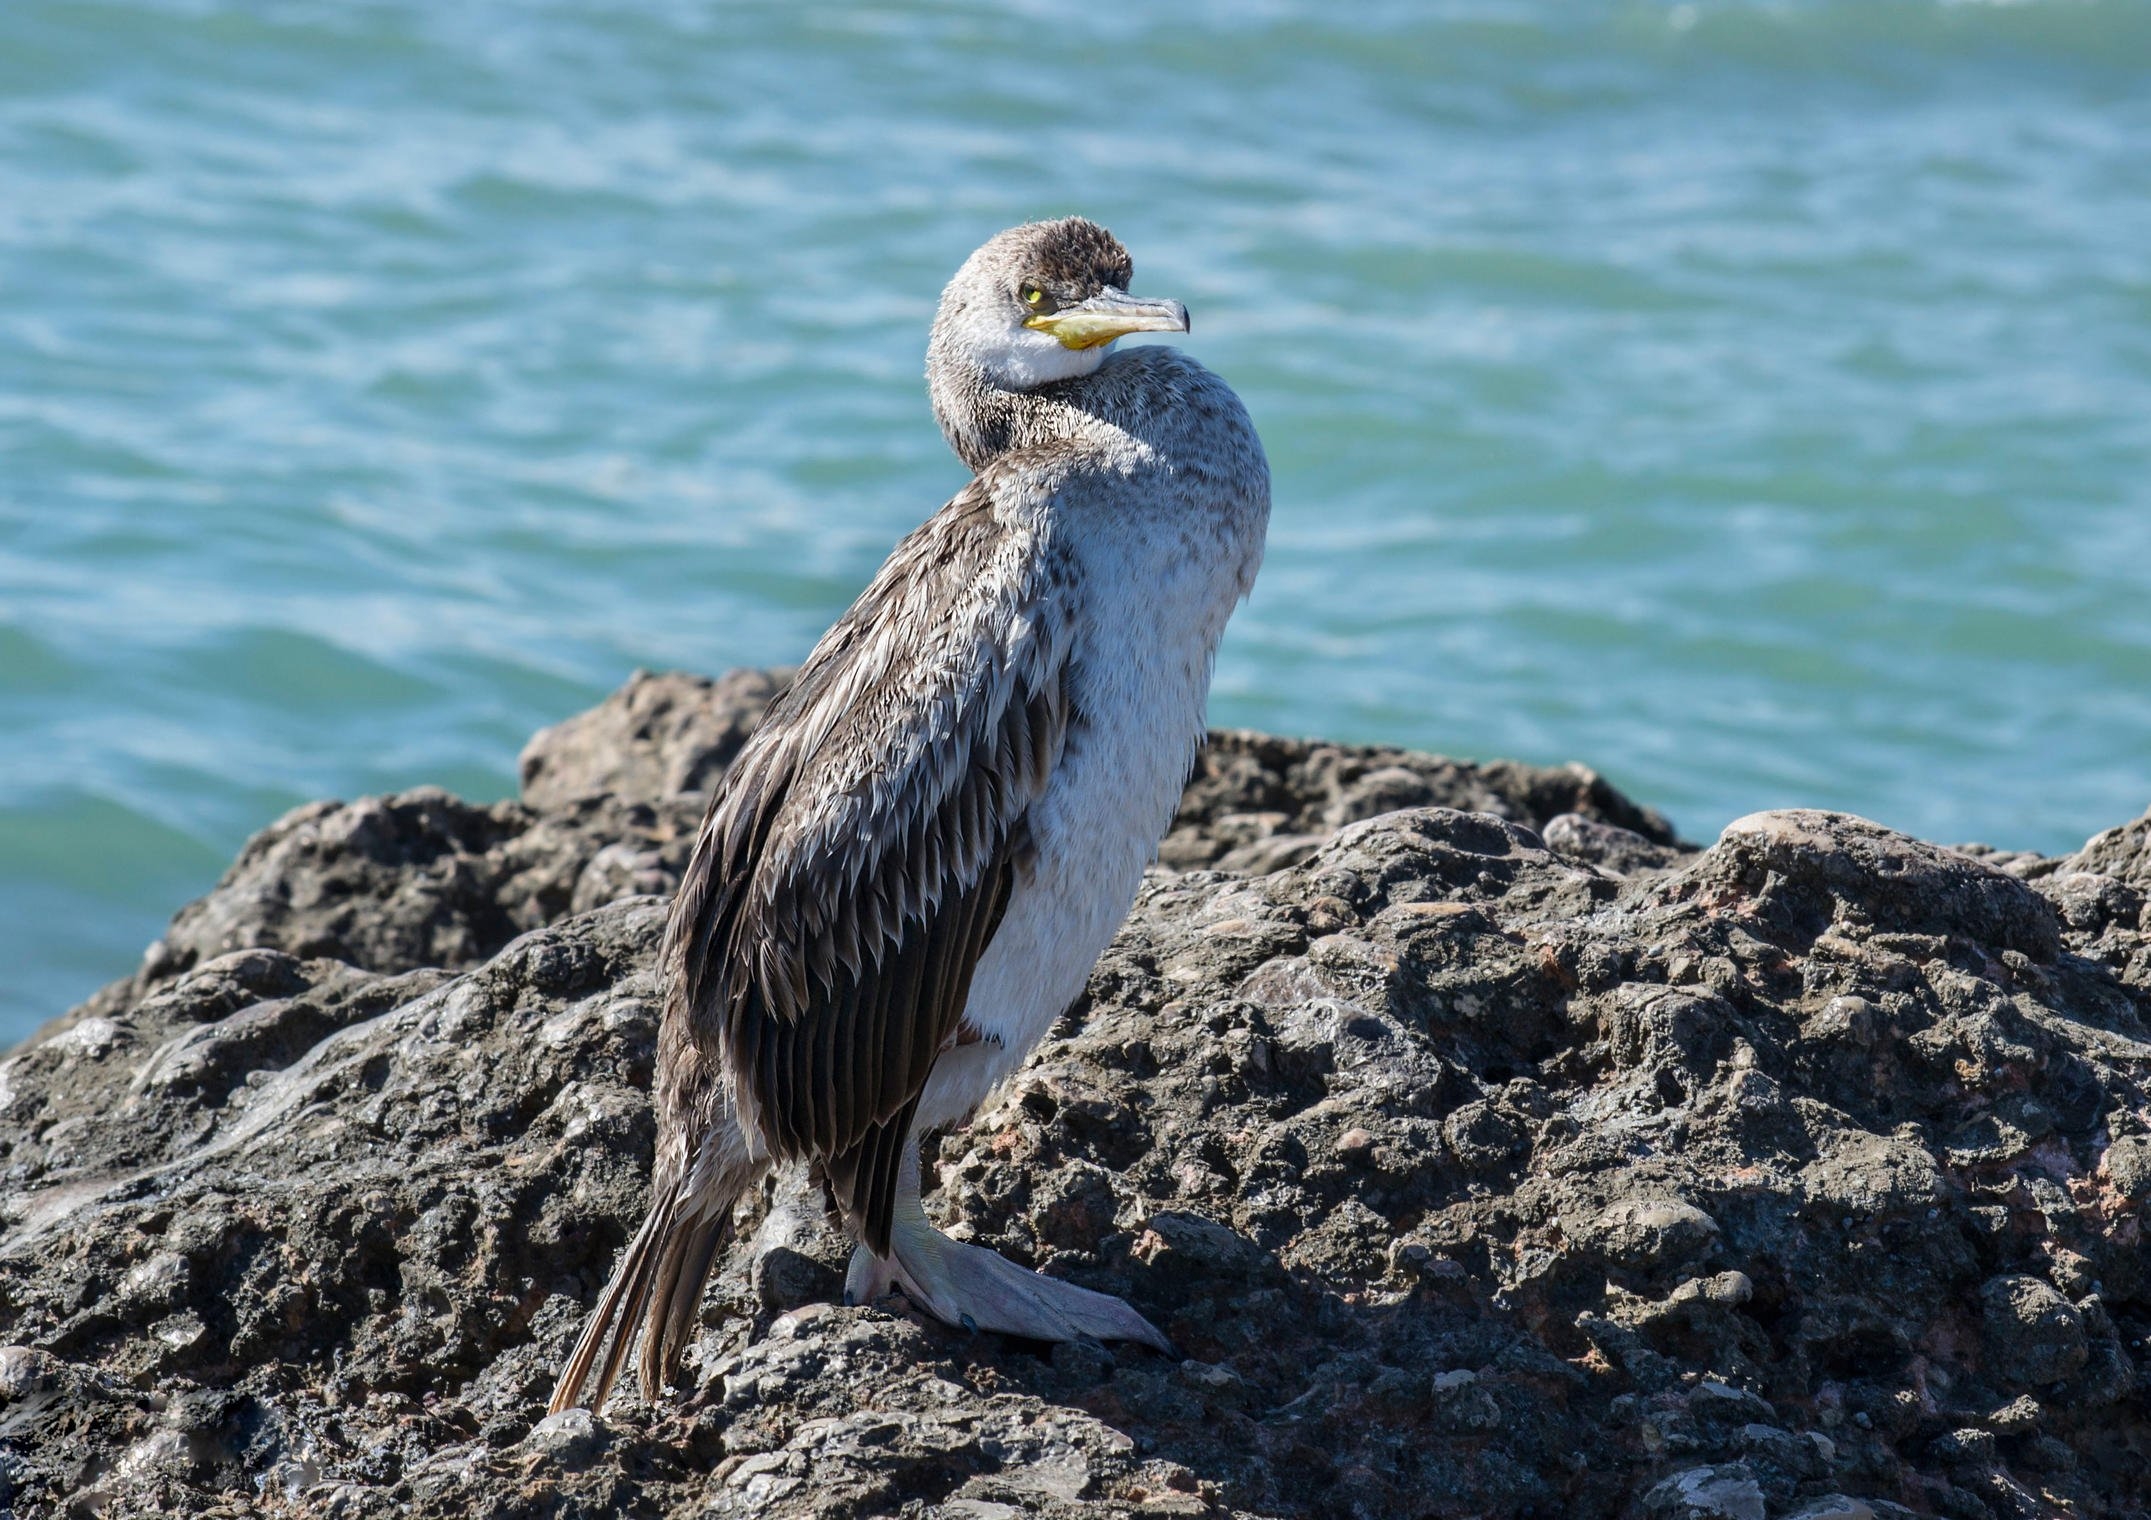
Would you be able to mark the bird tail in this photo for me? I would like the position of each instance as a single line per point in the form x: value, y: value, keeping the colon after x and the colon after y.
x: 610, y: 1328
x: 676, y: 1297
x: 656, y: 1288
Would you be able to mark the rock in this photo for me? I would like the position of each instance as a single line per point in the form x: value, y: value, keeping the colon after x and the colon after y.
x: 1220, y: 1384
x: 1833, y: 1507
x: 1483, y: 1137
x: 24, y: 1371
x: 1641, y: 1233
x: 1866, y: 1175
x: 2033, y: 1334
x: 1258, y: 803
x: 1477, y: 1158
x: 1178, y: 1242
x: 2127, y: 1164
x: 384, y: 883
x: 1727, y: 1289
x: 1461, y: 1402
x: 799, y: 1257
x: 1808, y: 870
x: 2123, y: 854
x: 2017, y: 1417
x: 1969, y: 1447
x: 1621, y: 851
x: 570, y: 1438
x: 786, y: 1279
x: 1729, y: 1492
x: 658, y: 737
x: 1718, y: 1401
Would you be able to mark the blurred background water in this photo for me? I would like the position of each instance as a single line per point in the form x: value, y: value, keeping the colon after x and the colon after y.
x: 1753, y: 401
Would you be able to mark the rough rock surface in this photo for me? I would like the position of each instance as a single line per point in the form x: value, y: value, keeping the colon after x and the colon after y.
x: 1485, y: 1150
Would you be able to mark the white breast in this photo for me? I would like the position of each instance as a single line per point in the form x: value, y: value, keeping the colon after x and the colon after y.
x: 1155, y: 599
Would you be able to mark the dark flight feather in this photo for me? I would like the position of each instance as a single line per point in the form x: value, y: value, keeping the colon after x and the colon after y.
x: 856, y: 863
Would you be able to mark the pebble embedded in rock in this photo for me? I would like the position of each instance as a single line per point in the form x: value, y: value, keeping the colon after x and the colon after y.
x: 1712, y: 1399
x: 785, y: 1278
x: 800, y: 1321
x: 1219, y: 1384
x: 1726, y: 1289
x: 1819, y: 868
x: 1850, y: 1018
x: 1729, y: 1288
x: 1863, y: 1175
x: 1622, y: 851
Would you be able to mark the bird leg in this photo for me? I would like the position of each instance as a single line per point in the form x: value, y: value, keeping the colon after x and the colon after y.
x: 975, y: 1289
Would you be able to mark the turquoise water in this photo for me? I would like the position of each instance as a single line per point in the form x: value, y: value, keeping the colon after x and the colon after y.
x: 1753, y: 401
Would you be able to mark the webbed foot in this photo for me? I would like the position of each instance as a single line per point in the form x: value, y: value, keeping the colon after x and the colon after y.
x: 975, y: 1289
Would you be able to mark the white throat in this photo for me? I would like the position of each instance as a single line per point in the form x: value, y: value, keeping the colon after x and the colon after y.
x: 1022, y: 358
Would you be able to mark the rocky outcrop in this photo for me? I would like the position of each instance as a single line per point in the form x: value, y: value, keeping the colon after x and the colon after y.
x: 1484, y: 1149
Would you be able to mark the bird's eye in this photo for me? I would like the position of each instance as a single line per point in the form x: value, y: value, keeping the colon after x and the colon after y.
x: 1037, y: 299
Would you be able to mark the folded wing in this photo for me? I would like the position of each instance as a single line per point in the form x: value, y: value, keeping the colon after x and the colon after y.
x: 863, y: 849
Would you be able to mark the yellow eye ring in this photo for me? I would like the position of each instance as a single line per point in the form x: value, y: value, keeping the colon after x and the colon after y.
x: 1032, y: 295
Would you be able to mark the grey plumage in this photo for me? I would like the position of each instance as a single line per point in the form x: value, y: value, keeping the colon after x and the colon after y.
x: 924, y: 769
x: 863, y: 850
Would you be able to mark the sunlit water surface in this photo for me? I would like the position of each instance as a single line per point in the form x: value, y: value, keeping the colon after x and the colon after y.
x: 1752, y: 401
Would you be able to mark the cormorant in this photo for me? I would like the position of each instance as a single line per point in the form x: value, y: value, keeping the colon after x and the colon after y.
x: 906, y: 876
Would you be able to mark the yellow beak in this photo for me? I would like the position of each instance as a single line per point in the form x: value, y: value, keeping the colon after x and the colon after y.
x: 1108, y: 315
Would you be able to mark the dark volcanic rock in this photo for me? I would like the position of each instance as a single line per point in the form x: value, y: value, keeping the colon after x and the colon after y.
x: 2123, y: 853
x: 1810, y: 871
x: 1485, y: 1151
x: 659, y: 736
x: 1257, y: 802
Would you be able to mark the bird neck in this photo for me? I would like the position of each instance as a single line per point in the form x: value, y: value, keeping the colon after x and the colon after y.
x: 1001, y: 391
x: 980, y: 420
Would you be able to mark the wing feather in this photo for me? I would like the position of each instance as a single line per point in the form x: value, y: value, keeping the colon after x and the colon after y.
x: 861, y: 853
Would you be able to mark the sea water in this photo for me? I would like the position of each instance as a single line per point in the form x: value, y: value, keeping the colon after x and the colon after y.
x: 1752, y: 401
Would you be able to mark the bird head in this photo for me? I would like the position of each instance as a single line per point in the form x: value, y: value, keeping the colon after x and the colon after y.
x: 1043, y: 302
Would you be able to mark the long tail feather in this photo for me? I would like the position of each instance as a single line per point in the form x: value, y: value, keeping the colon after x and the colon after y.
x: 657, y: 1287
x: 610, y: 1328
x: 676, y: 1296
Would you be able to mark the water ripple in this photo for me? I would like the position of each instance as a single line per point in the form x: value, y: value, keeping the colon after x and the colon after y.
x: 1752, y: 399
